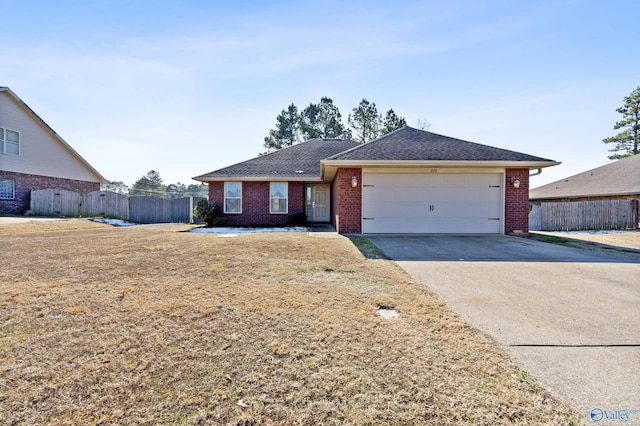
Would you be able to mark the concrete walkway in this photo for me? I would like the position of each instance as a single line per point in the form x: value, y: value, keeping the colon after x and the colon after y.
x: 571, y: 318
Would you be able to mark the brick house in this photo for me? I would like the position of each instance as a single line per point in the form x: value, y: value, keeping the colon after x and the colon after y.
x: 408, y: 181
x: 617, y: 180
x: 607, y: 197
x: 33, y: 156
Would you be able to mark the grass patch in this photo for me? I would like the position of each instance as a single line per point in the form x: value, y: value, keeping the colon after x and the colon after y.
x: 552, y: 239
x: 621, y: 245
x: 368, y: 248
x: 142, y: 329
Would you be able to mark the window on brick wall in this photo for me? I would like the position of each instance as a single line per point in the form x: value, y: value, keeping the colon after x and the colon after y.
x: 233, y: 197
x: 278, y: 197
x: 9, y: 142
x: 7, y: 190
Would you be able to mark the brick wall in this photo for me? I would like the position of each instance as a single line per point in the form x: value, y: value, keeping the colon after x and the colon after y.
x: 25, y: 183
x: 255, y: 203
x: 346, y: 202
x: 516, y: 202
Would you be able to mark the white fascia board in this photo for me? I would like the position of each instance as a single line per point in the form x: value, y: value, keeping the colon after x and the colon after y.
x: 439, y: 163
x: 257, y: 179
x: 585, y: 195
x: 329, y: 167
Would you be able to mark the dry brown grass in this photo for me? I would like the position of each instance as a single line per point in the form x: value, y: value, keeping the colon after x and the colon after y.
x: 103, y: 325
x: 622, y: 244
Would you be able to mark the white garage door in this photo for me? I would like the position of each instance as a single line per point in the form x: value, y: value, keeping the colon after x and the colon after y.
x: 430, y: 203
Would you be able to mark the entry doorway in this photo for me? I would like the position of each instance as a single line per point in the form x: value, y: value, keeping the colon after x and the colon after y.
x: 318, y: 203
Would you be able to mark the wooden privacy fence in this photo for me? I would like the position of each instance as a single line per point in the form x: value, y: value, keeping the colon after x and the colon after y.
x: 581, y: 215
x: 51, y: 202
x: 160, y: 210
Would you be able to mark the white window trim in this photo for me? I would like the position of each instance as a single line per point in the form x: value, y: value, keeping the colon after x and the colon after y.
x: 13, y: 190
x: 271, y: 197
x: 224, y: 198
x: 4, y: 142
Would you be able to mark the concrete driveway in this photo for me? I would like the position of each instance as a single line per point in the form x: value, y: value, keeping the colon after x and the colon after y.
x: 571, y: 318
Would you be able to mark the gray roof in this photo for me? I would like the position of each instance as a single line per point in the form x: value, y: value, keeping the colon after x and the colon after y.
x: 409, y: 144
x: 621, y: 177
x: 299, y: 162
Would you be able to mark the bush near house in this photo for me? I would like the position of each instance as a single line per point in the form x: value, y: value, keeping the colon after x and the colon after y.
x: 207, y: 212
x: 296, y: 219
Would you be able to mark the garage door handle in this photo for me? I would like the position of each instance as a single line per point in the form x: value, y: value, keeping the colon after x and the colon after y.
x: 494, y: 218
x: 368, y: 218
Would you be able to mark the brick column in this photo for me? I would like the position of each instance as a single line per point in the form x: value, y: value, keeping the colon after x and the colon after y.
x: 516, y: 209
x: 347, y: 201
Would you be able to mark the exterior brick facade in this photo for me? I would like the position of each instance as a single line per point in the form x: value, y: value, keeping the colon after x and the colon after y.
x: 516, y: 209
x: 25, y: 183
x: 255, y: 203
x: 346, y: 201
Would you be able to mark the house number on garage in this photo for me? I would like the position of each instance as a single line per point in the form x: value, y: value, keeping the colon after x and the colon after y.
x: 434, y: 170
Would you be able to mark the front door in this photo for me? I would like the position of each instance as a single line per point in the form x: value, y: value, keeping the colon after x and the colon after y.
x: 318, y: 203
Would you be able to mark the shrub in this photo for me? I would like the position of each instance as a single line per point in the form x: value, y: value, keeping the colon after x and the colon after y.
x: 207, y: 212
x: 221, y: 221
x: 296, y: 219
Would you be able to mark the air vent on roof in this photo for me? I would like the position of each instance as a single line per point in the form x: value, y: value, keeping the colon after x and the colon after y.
x: 299, y: 171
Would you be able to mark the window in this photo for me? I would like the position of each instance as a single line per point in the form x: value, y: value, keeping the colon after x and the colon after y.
x: 278, y: 197
x: 9, y: 142
x: 233, y: 197
x: 7, y: 190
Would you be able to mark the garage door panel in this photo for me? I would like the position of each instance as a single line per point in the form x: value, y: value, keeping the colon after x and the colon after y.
x: 427, y: 203
x: 418, y: 225
x: 473, y: 211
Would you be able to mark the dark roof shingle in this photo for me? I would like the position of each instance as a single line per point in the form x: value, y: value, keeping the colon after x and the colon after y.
x: 298, y: 161
x: 618, y: 178
x: 409, y: 144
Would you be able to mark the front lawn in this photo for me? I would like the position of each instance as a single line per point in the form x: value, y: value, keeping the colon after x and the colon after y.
x: 147, y: 324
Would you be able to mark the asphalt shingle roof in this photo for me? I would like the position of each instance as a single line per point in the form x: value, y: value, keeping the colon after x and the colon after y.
x: 301, y: 160
x: 407, y: 144
x: 618, y: 178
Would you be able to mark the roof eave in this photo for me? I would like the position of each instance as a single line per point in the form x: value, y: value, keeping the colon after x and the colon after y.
x: 439, y: 163
x: 330, y: 167
x: 579, y: 195
x: 258, y: 179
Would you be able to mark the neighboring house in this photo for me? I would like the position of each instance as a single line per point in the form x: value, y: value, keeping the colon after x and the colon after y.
x: 33, y: 156
x: 606, y: 197
x: 617, y: 180
x: 408, y: 181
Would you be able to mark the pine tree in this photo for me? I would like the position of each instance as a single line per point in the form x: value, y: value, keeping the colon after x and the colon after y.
x: 626, y: 142
x: 321, y: 120
x: 287, y: 131
x: 365, y: 121
x: 392, y: 122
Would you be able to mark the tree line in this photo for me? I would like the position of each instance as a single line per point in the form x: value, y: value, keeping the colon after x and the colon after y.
x: 323, y: 120
x: 151, y: 185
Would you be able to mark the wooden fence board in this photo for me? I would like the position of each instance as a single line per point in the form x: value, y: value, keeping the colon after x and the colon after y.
x: 51, y: 202
x: 105, y: 203
x: 583, y: 215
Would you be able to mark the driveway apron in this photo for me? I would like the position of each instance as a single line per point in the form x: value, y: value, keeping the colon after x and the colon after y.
x: 570, y: 318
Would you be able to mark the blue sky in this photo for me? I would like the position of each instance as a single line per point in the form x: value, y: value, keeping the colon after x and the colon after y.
x: 188, y: 87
